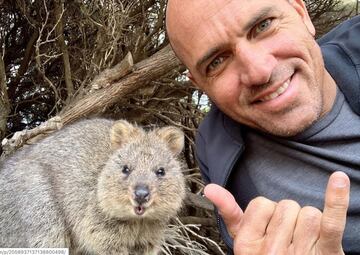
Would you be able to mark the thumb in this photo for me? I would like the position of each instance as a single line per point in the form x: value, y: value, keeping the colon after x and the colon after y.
x: 226, y: 205
x: 334, y: 216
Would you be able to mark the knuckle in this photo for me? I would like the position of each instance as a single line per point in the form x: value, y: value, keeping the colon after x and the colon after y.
x: 287, y: 204
x: 285, y: 215
x: 233, y: 213
x: 261, y: 202
x: 331, y: 227
x: 310, y: 213
x: 243, y: 247
x: 271, y: 248
x: 337, y: 203
x: 310, y: 218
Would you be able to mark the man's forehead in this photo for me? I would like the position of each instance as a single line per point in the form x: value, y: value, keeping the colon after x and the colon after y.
x: 197, y: 27
x: 186, y: 11
x: 184, y: 17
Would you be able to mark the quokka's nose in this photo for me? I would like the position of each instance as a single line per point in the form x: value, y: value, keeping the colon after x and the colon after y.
x: 142, y: 194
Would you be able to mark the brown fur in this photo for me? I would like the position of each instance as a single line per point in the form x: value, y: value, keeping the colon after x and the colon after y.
x: 70, y: 189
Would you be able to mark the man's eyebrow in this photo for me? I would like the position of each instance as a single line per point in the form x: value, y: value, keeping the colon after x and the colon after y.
x: 257, y: 17
x: 260, y: 15
x: 208, y: 55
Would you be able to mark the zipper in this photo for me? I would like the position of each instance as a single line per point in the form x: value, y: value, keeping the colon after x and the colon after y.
x: 227, y: 239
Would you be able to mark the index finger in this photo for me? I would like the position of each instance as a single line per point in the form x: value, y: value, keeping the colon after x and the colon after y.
x: 333, y: 221
x: 226, y: 205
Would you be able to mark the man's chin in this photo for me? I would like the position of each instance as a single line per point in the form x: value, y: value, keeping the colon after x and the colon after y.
x: 287, y: 129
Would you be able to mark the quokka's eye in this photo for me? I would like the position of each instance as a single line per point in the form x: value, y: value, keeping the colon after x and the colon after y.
x: 160, y: 172
x: 125, y: 170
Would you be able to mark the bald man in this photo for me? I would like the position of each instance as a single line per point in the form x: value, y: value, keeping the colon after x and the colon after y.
x: 283, y: 135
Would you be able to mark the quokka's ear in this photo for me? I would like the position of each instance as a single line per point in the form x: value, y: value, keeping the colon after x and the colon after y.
x: 122, y: 132
x: 173, y: 137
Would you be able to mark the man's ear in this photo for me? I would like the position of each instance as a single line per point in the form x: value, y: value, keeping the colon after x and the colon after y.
x: 300, y: 8
x: 192, y: 79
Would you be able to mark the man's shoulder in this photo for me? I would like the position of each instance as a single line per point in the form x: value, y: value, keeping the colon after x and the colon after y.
x: 346, y: 37
x: 341, y: 52
x: 212, y: 120
x: 218, y: 124
x: 337, y: 31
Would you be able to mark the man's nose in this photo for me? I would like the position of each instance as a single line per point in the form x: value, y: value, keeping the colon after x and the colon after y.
x: 255, y: 64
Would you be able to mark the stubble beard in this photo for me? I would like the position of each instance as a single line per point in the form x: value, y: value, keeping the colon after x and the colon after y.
x: 283, y: 128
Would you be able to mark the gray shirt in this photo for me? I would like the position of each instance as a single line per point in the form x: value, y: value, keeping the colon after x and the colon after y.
x: 298, y: 168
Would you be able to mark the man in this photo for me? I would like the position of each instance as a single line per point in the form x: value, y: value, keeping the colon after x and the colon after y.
x: 281, y: 124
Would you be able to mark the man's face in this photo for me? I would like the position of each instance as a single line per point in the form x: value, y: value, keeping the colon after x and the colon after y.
x: 256, y: 60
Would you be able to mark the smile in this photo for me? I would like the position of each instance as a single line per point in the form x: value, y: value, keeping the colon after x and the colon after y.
x: 277, y: 93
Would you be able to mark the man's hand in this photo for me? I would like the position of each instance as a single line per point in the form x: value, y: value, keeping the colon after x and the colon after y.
x: 267, y: 227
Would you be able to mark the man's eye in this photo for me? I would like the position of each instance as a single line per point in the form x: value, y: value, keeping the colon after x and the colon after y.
x: 262, y: 26
x: 215, y: 64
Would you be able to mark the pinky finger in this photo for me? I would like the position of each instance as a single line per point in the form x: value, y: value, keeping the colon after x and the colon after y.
x: 334, y: 216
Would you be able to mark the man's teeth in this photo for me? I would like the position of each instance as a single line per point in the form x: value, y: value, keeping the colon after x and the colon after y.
x: 277, y: 93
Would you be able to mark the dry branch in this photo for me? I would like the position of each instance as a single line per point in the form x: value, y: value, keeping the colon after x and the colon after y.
x: 142, y: 74
x: 29, y: 136
x: 25, y: 61
x: 109, y: 76
x: 198, y: 201
x: 59, y: 11
x: 202, y: 221
x: 38, y: 55
x: 4, y: 100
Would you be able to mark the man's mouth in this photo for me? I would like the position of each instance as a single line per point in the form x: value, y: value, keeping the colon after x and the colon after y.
x: 276, y: 93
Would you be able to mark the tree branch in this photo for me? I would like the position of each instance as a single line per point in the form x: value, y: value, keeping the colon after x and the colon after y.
x: 59, y: 11
x: 109, y: 76
x: 4, y: 99
x: 142, y: 74
x: 198, y: 201
x: 24, y: 63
